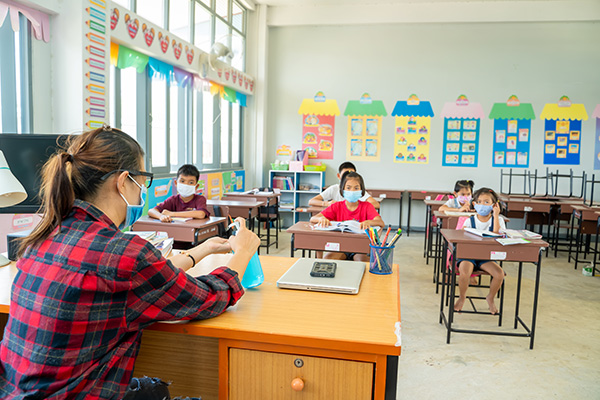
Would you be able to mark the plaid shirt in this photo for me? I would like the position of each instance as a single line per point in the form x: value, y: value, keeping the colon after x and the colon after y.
x: 80, y: 301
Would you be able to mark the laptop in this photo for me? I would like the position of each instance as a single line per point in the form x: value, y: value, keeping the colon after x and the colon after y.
x: 347, y: 278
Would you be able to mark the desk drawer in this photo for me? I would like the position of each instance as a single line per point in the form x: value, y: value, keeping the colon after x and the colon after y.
x: 264, y: 375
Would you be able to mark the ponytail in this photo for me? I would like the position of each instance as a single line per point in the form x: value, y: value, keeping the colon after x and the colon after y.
x: 75, y: 172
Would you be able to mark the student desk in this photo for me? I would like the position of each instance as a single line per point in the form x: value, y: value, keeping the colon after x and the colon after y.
x: 304, y: 237
x: 534, y: 211
x: 421, y: 195
x: 192, y: 231
x: 430, y: 207
x: 467, y: 246
x: 383, y: 194
x: 245, y: 208
x: 587, y: 220
x: 254, y: 350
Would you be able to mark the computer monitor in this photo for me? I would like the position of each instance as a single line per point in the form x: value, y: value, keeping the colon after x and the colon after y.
x: 26, y: 154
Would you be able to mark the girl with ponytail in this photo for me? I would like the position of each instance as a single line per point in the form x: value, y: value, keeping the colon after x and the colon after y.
x: 84, y: 291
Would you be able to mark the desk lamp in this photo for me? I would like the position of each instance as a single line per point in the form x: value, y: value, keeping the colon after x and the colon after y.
x: 11, y: 192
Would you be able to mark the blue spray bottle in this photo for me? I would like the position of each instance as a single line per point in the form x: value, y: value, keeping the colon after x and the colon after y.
x: 253, y: 276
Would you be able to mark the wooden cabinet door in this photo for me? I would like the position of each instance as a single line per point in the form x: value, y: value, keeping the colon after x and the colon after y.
x: 263, y: 375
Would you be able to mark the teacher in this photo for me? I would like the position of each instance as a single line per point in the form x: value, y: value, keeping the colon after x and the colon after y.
x: 85, y: 291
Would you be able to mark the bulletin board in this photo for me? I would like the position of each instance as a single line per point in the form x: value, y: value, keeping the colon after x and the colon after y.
x: 512, y: 133
x: 412, y: 131
x: 214, y: 185
x: 318, y: 126
x: 596, y: 115
x: 562, y: 132
x: 462, y: 121
x: 364, y: 128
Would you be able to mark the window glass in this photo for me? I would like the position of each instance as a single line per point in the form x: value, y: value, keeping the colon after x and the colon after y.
x: 174, y: 126
x: 208, y: 3
x: 158, y: 123
x: 202, y: 28
x: 152, y: 10
x: 237, y: 17
x: 237, y: 46
x: 235, y: 133
x: 195, y: 134
x: 224, y: 131
x: 179, y: 18
x: 222, y: 32
x: 18, y: 82
x: 128, y: 95
x: 222, y: 8
x: 124, y: 3
x: 207, y: 127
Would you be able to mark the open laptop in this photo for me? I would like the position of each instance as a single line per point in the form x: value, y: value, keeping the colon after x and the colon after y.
x: 347, y: 278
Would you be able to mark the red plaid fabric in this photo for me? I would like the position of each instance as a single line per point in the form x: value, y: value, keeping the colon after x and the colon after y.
x: 79, y: 304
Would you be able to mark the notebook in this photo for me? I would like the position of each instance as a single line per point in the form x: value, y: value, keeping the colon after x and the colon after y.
x: 347, y: 278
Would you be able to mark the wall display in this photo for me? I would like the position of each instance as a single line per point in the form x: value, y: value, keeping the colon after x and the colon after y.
x: 596, y: 115
x: 318, y: 126
x: 562, y: 131
x: 462, y: 120
x: 412, y: 131
x: 364, y: 128
x: 512, y: 128
x: 96, y: 56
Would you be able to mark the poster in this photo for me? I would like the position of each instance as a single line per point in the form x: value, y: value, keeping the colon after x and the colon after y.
x: 512, y: 128
x: 562, y: 131
x: 214, y: 186
x: 597, y: 138
x: 364, y: 128
x: 318, y: 126
x: 462, y: 120
x: 412, y: 133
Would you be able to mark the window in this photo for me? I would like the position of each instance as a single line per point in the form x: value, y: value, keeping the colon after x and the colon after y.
x: 158, y: 123
x: 225, y: 132
x: 179, y: 18
x: 152, y: 10
x: 15, y: 77
x: 202, y: 28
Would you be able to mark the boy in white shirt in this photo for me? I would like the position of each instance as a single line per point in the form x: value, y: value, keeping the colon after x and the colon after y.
x: 332, y: 193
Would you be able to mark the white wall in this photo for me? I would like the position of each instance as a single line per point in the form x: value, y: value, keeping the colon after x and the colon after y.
x: 537, y: 61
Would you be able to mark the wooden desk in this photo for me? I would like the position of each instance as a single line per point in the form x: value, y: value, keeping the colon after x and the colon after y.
x: 587, y: 221
x: 421, y: 195
x: 384, y: 194
x: 192, y: 231
x: 533, y: 211
x: 246, y: 208
x: 304, y: 237
x: 467, y: 246
x: 348, y: 349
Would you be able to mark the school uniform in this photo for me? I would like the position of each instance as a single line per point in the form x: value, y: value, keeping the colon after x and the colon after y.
x: 176, y: 204
x: 474, y: 222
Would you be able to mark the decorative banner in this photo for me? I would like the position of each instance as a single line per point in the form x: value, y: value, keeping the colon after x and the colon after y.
x: 413, y: 130
x: 364, y: 128
x: 318, y: 126
x: 462, y: 121
x: 562, y: 131
x: 284, y: 150
x: 512, y: 129
x: 597, y: 140
x: 96, y: 58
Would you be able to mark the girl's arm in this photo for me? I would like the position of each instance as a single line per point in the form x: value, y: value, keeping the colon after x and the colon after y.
x: 447, y: 208
x: 319, y: 219
x: 377, y: 221
x: 496, y: 216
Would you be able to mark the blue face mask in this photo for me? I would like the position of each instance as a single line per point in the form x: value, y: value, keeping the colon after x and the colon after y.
x: 134, y: 212
x: 483, y: 209
x: 352, y: 195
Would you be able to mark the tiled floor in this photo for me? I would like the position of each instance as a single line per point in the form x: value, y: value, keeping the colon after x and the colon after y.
x: 564, y: 364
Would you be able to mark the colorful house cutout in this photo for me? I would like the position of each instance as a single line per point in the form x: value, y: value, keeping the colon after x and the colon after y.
x: 364, y: 128
x: 318, y: 126
x: 562, y: 131
x: 462, y: 121
x: 512, y: 129
x: 412, y: 131
x: 596, y: 115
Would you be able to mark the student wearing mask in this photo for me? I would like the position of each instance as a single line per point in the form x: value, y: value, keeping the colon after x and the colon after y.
x: 85, y: 291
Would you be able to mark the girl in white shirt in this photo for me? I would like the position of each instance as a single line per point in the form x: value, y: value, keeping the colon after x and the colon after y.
x: 462, y: 197
x: 488, y: 217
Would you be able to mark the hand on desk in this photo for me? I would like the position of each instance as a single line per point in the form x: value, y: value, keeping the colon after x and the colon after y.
x: 324, y: 222
x: 465, y: 207
x: 165, y: 216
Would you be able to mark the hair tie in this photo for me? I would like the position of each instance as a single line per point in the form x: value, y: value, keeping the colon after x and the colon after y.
x: 69, y: 157
x: 106, y: 127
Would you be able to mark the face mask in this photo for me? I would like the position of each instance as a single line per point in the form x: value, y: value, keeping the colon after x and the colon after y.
x: 134, y: 212
x: 463, y: 199
x: 483, y: 209
x: 186, y: 190
x: 352, y: 195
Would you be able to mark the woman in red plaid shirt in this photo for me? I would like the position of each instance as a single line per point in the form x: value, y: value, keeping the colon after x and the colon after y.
x: 85, y: 291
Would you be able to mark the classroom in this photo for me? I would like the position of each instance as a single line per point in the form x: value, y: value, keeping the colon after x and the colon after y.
x: 311, y: 199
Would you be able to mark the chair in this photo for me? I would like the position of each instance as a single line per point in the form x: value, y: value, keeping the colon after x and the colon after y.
x: 220, y: 211
x: 535, y: 178
x: 555, y: 178
x: 269, y: 215
x: 511, y: 175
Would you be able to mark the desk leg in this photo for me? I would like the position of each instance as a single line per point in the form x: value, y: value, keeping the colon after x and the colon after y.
x: 444, y: 277
x: 426, y: 240
x: 400, y: 211
x: 538, y: 270
x: 452, y: 291
x: 391, y: 378
x: 548, y: 237
x: 408, y: 218
x: 518, y: 300
x: 292, y: 246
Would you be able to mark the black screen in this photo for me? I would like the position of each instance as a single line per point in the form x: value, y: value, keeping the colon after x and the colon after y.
x: 26, y: 155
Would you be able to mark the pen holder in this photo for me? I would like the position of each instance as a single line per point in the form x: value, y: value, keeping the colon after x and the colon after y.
x: 253, y: 276
x: 382, y: 258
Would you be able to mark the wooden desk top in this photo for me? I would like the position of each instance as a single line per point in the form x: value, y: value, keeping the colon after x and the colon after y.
x: 435, y: 202
x: 386, y: 193
x: 442, y: 214
x: 361, y: 323
x: 528, y: 205
x: 192, y: 223
x: 260, y: 195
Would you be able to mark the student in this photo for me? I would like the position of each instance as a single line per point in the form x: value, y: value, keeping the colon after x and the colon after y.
x: 186, y: 203
x: 463, y: 190
x: 333, y: 193
x: 488, y: 217
x: 352, y: 189
x: 84, y: 291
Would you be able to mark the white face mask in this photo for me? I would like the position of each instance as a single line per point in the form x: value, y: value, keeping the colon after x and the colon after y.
x: 186, y: 190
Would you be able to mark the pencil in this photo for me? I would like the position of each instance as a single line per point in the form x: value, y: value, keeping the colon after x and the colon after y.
x: 376, y: 237
x: 378, y: 262
x: 386, y: 234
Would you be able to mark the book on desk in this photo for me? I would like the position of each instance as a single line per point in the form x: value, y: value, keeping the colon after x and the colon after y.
x: 342, y: 226
x: 160, y: 240
x: 482, y: 233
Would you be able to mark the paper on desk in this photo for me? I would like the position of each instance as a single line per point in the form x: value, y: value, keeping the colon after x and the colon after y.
x: 509, y: 241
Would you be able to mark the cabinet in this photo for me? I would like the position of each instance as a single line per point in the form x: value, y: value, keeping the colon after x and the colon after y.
x: 297, y: 188
x: 266, y: 375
